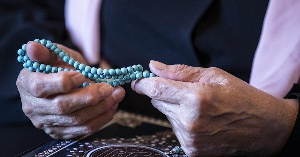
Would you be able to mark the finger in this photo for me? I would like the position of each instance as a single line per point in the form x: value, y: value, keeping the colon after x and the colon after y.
x: 78, y: 99
x: 42, y: 85
x: 175, y: 92
x: 88, y: 127
x: 38, y: 52
x: 178, y: 72
x: 80, y: 116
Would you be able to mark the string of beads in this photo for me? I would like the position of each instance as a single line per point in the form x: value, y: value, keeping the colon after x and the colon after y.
x: 114, y: 77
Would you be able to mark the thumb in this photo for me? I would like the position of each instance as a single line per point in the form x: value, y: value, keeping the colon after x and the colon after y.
x: 178, y: 72
x: 38, y: 52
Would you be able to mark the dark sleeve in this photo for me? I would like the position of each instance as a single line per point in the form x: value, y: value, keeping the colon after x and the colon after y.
x: 292, y: 147
x: 20, y: 22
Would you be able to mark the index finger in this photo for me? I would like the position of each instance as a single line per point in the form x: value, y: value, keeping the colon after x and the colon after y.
x: 42, y: 85
x: 175, y: 92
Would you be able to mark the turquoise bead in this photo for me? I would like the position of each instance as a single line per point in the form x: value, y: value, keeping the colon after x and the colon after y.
x: 66, y: 59
x: 21, y: 52
x: 31, y: 69
x: 127, y: 81
x: 87, y: 69
x: 49, y: 45
x: 20, y: 58
x: 99, y: 71
x: 140, y: 68
x: 120, y: 76
x: 24, y: 47
x: 36, y: 65
x: 118, y: 71
x: 105, y: 72
x: 132, y: 76
x: 42, y: 67
x: 96, y: 76
x: 54, y: 70
x: 124, y: 71
x: 48, y: 68
x: 112, y: 72
x: 115, y: 82
x: 152, y: 75
x: 57, y: 50
x: 29, y: 63
x: 62, y: 54
x: 53, y: 47
x: 84, y: 73
x: 81, y: 66
x: 84, y: 84
x: 94, y: 70
x: 138, y: 75
x: 26, y: 58
x: 146, y: 74
x: 110, y: 82
x: 90, y: 75
x: 129, y: 70
x: 113, y: 77
x: 121, y: 82
x: 43, y: 42
x: 59, y: 69
x: 25, y: 65
x: 76, y: 65
x: 135, y: 68
x: 71, y: 61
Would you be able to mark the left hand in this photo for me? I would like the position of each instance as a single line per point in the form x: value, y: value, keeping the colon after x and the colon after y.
x: 216, y: 114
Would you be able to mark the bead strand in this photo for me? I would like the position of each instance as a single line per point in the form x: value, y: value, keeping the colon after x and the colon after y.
x: 114, y: 77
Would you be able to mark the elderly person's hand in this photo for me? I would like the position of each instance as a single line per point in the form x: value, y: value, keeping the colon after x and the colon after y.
x: 216, y: 114
x: 54, y: 103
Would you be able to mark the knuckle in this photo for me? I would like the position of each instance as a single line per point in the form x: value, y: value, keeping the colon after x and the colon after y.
x: 55, y: 136
x: 37, y: 124
x: 76, y: 120
x: 199, y: 98
x: 156, y: 90
x: 91, y: 97
x: 20, y: 79
x: 37, y: 89
x: 89, y: 129
x: 64, y: 82
x: 180, y: 68
x: 27, y: 109
x: 60, y: 106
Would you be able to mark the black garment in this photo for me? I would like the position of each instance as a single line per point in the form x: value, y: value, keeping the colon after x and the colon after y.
x: 208, y: 33
x: 21, y: 21
x: 291, y: 148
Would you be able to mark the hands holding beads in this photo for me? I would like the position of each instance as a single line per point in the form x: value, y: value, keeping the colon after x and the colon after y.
x: 54, y: 103
x: 216, y: 114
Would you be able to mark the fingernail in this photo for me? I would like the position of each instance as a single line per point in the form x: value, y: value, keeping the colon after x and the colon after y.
x: 119, y: 94
x: 105, y: 90
x: 158, y: 65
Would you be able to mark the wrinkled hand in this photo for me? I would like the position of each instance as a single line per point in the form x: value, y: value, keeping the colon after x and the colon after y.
x: 216, y: 114
x: 54, y: 103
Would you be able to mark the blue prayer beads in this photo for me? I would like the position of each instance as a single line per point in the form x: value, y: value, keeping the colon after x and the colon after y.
x: 114, y: 77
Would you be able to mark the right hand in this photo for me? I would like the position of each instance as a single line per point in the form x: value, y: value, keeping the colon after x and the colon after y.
x: 54, y: 103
